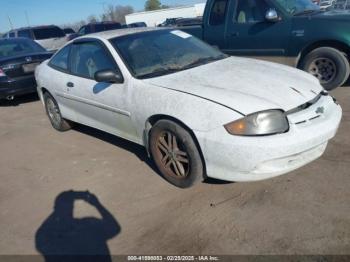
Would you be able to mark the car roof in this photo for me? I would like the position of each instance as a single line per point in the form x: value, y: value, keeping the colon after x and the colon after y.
x: 103, y: 23
x: 121, y: 32
x: 33, y: 27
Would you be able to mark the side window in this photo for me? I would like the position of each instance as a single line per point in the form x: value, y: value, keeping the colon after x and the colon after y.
x: 88, y: 58
x: 218, y: 12
x: 24, y: 33
x: 88, y: 29
x: 12, y: 34
x: 251, y: 11
x: 60, y: 60
x: 82, y: 31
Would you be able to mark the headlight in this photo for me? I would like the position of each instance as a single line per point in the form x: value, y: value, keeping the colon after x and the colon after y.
x: 258, y: 124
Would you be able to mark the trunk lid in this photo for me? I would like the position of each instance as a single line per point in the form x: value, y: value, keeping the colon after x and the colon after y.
x: 13, y: 66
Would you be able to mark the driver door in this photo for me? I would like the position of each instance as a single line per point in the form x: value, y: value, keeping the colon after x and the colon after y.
x: 100, y: 105
x: 250, y: 34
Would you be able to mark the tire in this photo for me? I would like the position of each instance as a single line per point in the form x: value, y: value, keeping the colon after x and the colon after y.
x: 54, y: 114
x: 170, y: 156
x: 329, y: 65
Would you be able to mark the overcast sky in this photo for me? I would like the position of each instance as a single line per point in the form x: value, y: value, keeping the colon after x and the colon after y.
x: 42, y: 12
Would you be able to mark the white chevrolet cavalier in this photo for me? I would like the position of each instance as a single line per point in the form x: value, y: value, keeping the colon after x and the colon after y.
x: 198, y: 112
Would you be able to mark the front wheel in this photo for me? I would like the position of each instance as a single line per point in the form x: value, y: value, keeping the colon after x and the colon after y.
x: 328, y: 65
x: 175, y: 153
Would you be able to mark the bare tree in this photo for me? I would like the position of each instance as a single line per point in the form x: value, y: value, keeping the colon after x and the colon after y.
x: 121, y: 12
x: 117, y: 13
x: 92, y: 19
x: 111, y: 13
x: 75, y: 26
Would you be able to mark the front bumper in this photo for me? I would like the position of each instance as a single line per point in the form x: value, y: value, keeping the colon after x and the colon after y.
x: 238, y: 158
x: 17, y: 86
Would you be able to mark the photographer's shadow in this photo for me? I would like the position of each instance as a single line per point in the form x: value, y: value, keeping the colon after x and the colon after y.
x: 62, y: 237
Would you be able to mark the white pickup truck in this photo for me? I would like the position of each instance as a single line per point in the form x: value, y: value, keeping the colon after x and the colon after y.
x: 50, y: 37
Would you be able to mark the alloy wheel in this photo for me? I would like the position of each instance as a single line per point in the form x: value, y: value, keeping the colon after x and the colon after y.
x: 53, y: 111
x: 172, y: 155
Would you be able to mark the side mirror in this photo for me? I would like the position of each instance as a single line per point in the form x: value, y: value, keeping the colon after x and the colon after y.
x: 271, y: 15
x: 109, y: 76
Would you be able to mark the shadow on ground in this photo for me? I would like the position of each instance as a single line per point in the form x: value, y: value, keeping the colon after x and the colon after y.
x: 61, y: 237
x: 19, y: 100
x: 214, y: 181
x: 134, y: 148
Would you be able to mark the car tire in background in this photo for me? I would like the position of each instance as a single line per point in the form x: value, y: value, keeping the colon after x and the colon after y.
x: 176, y: 154
x: 327, y: 64
x: 54, y: 114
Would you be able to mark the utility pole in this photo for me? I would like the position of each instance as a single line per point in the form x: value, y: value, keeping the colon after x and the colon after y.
x: 26, y: 14
x: 11, y: 25
x: 103, y: 6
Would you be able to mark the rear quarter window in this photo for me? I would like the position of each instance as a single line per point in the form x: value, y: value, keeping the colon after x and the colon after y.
x: 48, y: 32
x: 24, y: 33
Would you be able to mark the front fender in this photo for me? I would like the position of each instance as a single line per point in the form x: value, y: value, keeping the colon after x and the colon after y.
x: 196, y: 113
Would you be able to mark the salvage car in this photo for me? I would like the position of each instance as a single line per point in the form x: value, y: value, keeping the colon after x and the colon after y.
x: 198, y: 112
x: 18, y: 60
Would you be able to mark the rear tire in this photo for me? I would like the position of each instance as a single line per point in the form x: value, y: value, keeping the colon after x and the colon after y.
x: 54, y: 114
x: 175, y: 154
x: 329, y: 65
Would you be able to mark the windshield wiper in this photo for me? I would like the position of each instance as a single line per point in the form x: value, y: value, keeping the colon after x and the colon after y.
x: 203, y: 60
x: 173, y: 69
x: 160, y: 71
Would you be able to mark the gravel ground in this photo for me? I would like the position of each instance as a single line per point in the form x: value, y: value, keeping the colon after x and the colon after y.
x: 136, y: 212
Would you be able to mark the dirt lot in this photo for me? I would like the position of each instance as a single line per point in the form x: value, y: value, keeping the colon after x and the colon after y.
x: 304, y: 212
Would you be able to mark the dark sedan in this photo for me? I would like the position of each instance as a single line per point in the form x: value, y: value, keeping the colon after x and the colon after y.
x: 18, y: 60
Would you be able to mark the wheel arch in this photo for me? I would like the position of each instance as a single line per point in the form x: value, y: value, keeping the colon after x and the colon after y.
x: 339, y: 45
x: 152, y: 120
x: 42, y: 91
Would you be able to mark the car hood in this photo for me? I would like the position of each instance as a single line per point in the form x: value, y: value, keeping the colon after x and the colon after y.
x: 244, y: 85
x: 335, y: 15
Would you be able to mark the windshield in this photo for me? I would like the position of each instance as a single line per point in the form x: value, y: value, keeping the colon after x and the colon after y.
x: 295, y: 7
x: 15, y: 47
x: 155, y: 53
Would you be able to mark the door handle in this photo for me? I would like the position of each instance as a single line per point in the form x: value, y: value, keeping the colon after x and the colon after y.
x: 70, y: 84
x: 235, y: 34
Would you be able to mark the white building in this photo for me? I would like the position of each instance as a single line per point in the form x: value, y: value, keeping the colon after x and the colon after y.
x: 153, y: 18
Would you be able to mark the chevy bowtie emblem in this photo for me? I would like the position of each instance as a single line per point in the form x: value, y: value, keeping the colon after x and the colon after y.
x: 320, y: 110
x: 28, y: 59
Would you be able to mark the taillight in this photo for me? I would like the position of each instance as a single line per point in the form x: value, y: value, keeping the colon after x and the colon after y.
x: 2, y: 73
